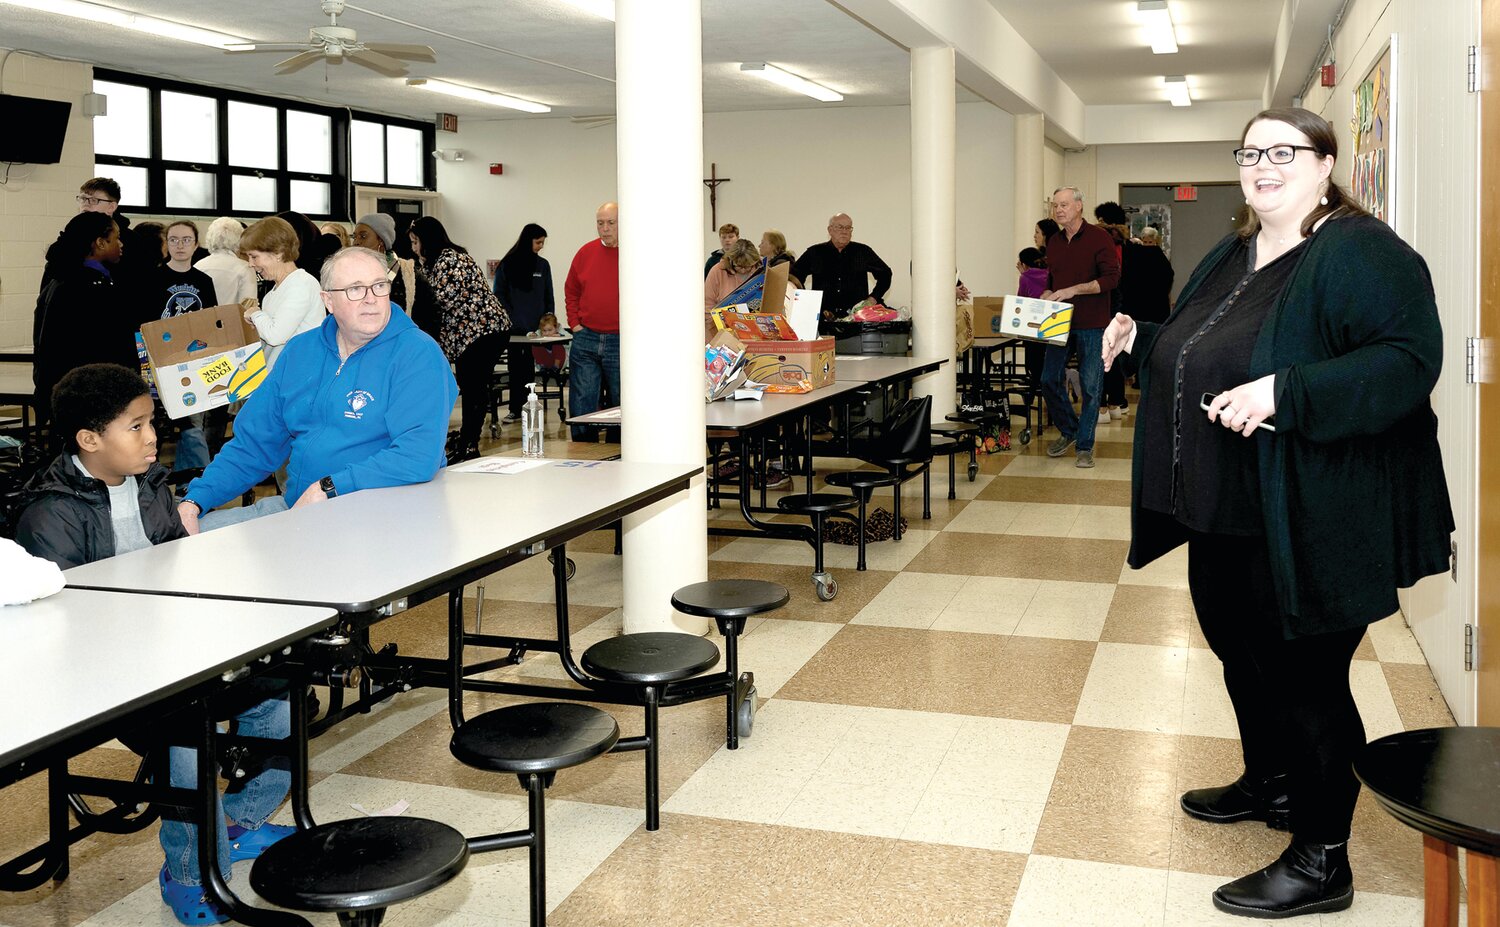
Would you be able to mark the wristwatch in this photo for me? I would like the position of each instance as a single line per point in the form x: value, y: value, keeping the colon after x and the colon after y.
x: 326, y: 484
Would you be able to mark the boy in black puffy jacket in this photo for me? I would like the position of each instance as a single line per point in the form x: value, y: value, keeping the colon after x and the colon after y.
x: 105, y: 494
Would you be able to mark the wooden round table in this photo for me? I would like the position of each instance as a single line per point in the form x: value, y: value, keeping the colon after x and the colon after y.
x: 1445, y: 782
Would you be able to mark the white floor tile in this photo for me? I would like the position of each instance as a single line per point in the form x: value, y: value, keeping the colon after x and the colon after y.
x: 910, y: 600
x: 983, y: 517
x: 778, y: 648
x: 359, y: 736
x: 889, y: 555
x: 1136, y: 687
x: 596, y: 582
x: 1206, y: 709
x: 966, y: 821
x: 1105, y: 522
x: 1072, y: 892
x: 1000, y: 758
x: 1373, y: 696
x: 1071, y: 611
x: 1394, y: 642
x: 1043, y: 519
x: 872, y: 810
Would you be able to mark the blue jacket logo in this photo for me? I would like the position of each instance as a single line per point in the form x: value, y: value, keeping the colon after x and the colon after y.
x: 358, y: 399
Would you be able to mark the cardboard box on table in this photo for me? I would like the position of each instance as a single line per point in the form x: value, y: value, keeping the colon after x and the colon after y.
x: 774, y: 355
x: 203, y: 360
x: 1022, y: 317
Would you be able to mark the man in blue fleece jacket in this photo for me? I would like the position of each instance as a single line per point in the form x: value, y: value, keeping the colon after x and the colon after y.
x: 360, y: 402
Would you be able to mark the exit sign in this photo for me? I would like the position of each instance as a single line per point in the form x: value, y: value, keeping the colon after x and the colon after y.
x: 1185, y: 193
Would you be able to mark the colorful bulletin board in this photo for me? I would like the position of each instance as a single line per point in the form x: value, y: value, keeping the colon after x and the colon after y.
x: 1373, y: 127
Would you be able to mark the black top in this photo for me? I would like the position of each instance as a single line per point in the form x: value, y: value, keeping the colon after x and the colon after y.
x: 841, y: 274
x: 177, y: 291
x: 1197, y: 471
x: 715, y: 257
x: 1146, y: 283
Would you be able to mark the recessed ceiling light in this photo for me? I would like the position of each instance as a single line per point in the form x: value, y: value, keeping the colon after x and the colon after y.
x: 791, y: 81
x: 1159, y: 29
x: 601, y: 8
x: 109, y: 16
x: 477, y: 95
x: 1177, y: 90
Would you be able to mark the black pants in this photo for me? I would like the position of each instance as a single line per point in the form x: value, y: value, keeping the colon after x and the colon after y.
x: 522, y: 371
x: 1291, y: 697
x: 474, y: 368
x: 1114, y: 388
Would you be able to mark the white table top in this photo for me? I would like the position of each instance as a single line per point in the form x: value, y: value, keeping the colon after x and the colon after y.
x: 364, y: 550
x: 873, y: 368
x: 79, y: 658
x: 534, y: 338
x: 744, y: 414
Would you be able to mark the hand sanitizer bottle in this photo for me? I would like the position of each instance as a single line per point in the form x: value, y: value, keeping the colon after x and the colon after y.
x: 531, y: 425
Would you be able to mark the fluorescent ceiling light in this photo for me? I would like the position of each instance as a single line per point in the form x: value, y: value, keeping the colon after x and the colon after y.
x: 601, y: 8
x: 1158, y: 20
x: 1177, y: 91
x: 478, y: 96
x: 791, y: 81
x: 109, y: 16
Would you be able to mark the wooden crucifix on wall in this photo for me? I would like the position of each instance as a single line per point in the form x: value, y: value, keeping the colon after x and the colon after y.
x: 712, y: 182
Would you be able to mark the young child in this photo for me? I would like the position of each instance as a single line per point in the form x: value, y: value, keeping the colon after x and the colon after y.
x: 550, y: 358
x: 105, y: 494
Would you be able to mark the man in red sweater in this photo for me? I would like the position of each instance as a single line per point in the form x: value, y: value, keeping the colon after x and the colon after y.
x: 592, y: 297
x: 1083, y: 268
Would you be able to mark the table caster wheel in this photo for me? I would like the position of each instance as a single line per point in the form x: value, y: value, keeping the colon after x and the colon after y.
x: 827, y: 587
x: 569, y: 570
x: 973, y: 471
x: 1025, y: 436
x: 744, y: 719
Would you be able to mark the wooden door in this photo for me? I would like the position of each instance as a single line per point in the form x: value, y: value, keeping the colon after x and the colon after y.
x: 1487, y: 661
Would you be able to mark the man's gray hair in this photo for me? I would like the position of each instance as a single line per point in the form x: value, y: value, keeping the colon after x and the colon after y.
x: 325, y: 276
x: 1150, y: 235
x: 1077, y: 193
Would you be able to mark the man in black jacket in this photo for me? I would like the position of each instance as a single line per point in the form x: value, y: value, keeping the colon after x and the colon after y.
x: 841, y: 268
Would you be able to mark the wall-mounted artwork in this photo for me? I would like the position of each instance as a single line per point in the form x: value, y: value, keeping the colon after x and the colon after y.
x: 1373, y: 126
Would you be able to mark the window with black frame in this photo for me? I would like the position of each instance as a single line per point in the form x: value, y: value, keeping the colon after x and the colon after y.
x: 178, y: 148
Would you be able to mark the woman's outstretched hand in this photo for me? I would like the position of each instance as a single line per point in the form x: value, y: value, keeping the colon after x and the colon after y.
x: 1118, y: 335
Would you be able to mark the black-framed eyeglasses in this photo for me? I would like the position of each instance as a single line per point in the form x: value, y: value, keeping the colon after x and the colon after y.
x: 358, y: 291
x: 1276, y: 154
x: 93, y: 200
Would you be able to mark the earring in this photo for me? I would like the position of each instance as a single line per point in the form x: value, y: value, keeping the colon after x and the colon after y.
x: 1323, y: 200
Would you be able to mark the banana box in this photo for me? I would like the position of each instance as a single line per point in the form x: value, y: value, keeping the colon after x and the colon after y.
x: 202, y: 360
x: 1022, y: 317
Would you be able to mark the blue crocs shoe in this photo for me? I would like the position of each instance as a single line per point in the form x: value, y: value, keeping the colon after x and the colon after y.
x: 188, y: 903
x: 249, y: 844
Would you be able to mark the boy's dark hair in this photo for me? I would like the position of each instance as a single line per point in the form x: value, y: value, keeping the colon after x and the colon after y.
x: 105, y: 185
x: 1033, y: 257
x: 92, y: 396
x: 1111, y: 213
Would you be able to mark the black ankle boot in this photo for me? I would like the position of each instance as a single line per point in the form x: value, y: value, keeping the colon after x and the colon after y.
x: 1308, y: 878
x: 1244, y: 799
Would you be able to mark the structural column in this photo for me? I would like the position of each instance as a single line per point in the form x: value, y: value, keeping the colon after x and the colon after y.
x: 934, y: 115
x: 1031, y: 145
x: 659, y: 106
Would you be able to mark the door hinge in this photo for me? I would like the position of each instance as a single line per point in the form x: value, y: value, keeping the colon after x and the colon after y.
x: 1473, y: 81
x: 1468, y: 648
x: 1453, y: 560
x: 1476, y: 360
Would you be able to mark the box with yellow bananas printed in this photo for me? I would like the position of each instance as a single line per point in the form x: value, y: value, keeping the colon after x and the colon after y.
x: 202, y: 360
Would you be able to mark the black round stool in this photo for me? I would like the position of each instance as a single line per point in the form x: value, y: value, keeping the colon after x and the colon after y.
x: 817, y: 506
x: 963, y: 433
x: 649, y: 661
x: 533, y: 741
x: 943, y: 446
x: 357, y: 868
x: 863, y: 484
x: 729, y: 602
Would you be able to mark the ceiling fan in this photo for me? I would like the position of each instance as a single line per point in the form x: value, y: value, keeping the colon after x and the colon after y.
x: 333, y: 43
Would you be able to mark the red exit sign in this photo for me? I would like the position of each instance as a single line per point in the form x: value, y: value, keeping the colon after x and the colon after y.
x: 1185, y: 193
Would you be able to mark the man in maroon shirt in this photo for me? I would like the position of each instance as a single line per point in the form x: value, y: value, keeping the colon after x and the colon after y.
x: 1082, y: 268
x: 592, y: 296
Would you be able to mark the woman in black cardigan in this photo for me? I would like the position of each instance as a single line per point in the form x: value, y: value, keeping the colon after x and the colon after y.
x: 1317, y: 321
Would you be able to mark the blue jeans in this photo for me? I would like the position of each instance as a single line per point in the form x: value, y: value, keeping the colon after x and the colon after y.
x: 594, y: 361
x: 192, y: 446
x: 248, y: 806
x: 223, y: 518
x: 1088, y: 343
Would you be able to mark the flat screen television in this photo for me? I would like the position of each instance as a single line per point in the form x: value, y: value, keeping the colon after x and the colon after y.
x: 34, y: 129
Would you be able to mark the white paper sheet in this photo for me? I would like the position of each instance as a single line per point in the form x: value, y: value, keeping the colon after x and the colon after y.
x: 499, y: 465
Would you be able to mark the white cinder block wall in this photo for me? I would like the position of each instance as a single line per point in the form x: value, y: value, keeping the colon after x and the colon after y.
x: 36, y: 201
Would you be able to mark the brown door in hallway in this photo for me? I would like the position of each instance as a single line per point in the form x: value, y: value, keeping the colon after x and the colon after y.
x: 1488, y: 559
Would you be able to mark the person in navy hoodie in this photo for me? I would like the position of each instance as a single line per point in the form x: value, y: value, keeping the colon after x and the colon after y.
x: 360, y: 402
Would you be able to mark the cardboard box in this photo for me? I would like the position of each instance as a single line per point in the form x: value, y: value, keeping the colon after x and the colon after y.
x: 1022, y: 317
x: 791, y: 366
x: 205, y: 359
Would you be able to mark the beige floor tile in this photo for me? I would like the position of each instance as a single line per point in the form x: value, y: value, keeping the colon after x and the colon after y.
x: 1113, y: 799
x: 883, y: 555
x: 1074, y: 611
x: 1070, y: 559
x: 357, y: 736
x: 596, y: 582
x: 1008, y: 488
x: 1376, y: 707
x: 1416, y: 696
x: 1087, y: 894
x: 774, y: 649
x: 962, y: 488
x: 1394, y: 643
x: 1064, y: 468
x: 1135, y: 687
x: 1169, y: 570
x: 1152, y: 615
